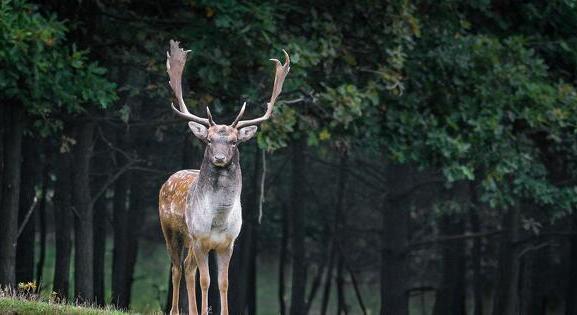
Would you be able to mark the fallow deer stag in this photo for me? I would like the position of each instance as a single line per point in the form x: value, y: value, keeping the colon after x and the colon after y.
x: 200, y: 209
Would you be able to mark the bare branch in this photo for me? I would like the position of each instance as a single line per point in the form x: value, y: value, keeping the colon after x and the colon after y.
x: 111, y: 181
x: 126, y: 155
x: 534, y: 248
x: 27, y: 217
x: 451, y: 238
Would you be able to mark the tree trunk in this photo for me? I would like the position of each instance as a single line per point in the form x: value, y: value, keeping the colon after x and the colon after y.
x: 30, y: 174
x: 505, y: 300
x: 532, y: 297
x: 83, y: 227
x: 299, y: 275
x: 251, y: 299
x: 476, y: 253
x: 100, y: 215
x: 63, y: 218
x: 135, y: 219
x: 122, y: 223
x: 357, y: 291
x: 317, y: 281
x: 338, y: 230
x: 394, y: 275
x: 239, y: 276
x: 42, y: 224
x: 120, y: 210
x: 571, y: 291
x: 394, y: 260
x: 450, y: 297
x: 242, y: 273
x: 102, y: 166
x: 3, y: 123
x: 328, y: 282
x: 341, y: 297
x: 10, y: 193
x: 251, y: 303
x: 282, y: 260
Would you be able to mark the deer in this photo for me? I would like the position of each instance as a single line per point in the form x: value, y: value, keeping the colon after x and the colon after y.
x: 200, y: 210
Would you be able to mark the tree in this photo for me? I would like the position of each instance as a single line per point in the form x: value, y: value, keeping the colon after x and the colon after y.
x: 40, y: 77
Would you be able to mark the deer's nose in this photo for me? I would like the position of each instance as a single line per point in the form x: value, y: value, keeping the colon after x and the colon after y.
x: 219, y: 157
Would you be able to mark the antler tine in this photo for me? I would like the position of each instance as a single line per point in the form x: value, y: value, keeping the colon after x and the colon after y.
x: 210, y: 120
x: 239, y: 116
x: 175, y: 61
x: 281, y: 72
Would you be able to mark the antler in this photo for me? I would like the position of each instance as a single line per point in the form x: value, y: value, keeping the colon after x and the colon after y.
x: 239, y: 115
x: 175, y: 61
x: 281, y: 72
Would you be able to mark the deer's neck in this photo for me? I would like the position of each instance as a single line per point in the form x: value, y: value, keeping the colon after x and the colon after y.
x: 222, y: 185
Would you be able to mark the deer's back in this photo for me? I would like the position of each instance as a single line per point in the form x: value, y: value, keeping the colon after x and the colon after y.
x: 172, y: 200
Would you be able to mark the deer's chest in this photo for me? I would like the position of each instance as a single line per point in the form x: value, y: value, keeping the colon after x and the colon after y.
x: 215, y: 219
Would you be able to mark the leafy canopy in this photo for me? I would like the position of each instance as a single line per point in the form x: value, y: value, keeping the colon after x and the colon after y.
x: 41, y: 72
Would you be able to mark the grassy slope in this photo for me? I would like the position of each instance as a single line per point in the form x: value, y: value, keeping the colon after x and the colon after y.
x: 18, y: 306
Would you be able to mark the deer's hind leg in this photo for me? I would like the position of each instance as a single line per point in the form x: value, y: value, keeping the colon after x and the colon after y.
x: 190, y: 275
x: 174, y: 244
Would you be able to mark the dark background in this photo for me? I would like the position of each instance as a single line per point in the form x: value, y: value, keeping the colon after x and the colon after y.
x: 421, y: 158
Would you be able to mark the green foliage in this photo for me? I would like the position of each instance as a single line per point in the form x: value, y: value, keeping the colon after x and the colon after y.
x: 480, y: 95
x: 483, y: 107
x: 41, y: 72
x: 338, y: 69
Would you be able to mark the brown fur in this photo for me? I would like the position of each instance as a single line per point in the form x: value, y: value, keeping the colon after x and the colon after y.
x: 172, y: 201
x: 171, y: 207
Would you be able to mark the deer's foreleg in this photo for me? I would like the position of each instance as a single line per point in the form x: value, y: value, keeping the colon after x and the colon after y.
x: 201, y: 256
x: 190, y: 274
x: 223, y: 256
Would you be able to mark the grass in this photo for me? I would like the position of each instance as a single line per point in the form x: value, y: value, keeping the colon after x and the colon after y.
x: 18, y: 306
x: 18, y: 303
x: 151, y: 273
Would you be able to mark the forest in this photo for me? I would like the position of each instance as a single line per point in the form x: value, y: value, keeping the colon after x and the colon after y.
x: 421, y: 159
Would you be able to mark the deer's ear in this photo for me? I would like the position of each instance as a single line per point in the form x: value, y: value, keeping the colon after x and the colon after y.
x: 199, y: 130
x: 246, y: 133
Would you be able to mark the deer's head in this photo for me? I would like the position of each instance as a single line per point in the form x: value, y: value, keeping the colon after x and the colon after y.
x: 221, y: 140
